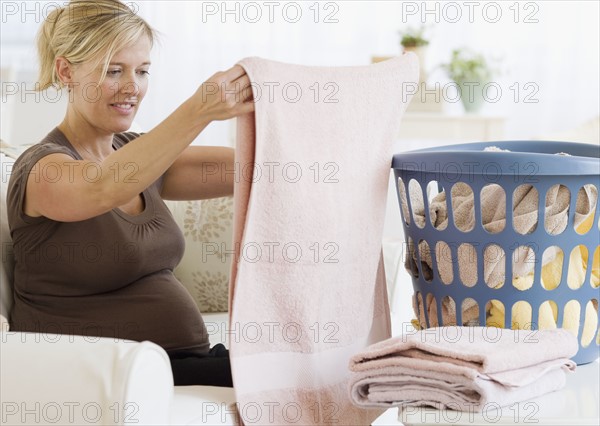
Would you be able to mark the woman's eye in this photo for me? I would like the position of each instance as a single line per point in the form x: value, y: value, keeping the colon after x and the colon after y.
x: 113, y: 72
x: 144, y: 72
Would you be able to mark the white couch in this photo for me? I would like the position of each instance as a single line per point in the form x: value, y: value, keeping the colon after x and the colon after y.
x: 61, y: 379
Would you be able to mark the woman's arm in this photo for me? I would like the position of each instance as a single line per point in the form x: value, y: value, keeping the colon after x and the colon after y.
x: 200, y: 172
x: 131, y: 169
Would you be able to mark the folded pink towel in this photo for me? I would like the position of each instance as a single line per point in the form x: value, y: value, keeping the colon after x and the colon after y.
x: 462, y: 368
x: 307, y: 286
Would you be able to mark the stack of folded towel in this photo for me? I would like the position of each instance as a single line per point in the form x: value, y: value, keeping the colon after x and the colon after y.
x: 462, y: 368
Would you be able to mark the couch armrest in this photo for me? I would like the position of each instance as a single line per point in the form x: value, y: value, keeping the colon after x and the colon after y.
x: 4, y: 325
x: 62, y: 379
x: 207, y: 227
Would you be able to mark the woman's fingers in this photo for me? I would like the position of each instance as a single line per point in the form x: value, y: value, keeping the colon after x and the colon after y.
x: 247, y: 95
x: 246, y: 88
x: 243, y: 92
x: 235, y: 72
x: 242, y: 87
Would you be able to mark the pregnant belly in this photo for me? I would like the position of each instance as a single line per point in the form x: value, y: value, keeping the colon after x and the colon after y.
x: 156, y: 308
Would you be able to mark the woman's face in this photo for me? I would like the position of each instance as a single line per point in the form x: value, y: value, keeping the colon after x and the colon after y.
x: 111, y: 106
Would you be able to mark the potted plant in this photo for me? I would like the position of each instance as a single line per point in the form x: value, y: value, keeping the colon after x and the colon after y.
x: 470, y: 71
x: 413, y: 40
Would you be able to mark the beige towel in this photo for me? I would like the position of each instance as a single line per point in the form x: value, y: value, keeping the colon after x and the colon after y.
x: 462, y: 368
x: 316, y: 294
x: 493, y: 216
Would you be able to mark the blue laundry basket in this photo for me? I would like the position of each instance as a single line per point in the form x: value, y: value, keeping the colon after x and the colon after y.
x: 443, y: 278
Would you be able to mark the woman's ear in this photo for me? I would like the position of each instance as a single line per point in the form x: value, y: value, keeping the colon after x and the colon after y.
x: 64, y: 71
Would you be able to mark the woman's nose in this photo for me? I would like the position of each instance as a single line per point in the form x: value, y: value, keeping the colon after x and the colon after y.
x: 131, y: 86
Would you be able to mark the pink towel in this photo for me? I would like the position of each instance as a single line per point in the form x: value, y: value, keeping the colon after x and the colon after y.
x: 462, y: 368
x: 307, y: 284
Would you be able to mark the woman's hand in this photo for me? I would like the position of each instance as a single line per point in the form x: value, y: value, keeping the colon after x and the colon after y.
x: 226, y: 94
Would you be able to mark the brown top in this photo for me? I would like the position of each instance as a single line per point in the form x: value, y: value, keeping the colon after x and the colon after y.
x: 110, y: 275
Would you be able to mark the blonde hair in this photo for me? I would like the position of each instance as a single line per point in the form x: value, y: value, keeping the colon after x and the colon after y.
x: 87, y: 31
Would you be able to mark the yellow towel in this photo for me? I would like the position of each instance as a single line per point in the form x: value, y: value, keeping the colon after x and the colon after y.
x: 522, y: 315
x: 551, y: 274
x: 548, y: 315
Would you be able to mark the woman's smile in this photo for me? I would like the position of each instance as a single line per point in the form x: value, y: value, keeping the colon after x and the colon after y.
x: 123, y: 108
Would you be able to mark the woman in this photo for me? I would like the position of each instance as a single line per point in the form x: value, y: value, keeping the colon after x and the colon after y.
x: 95, y: 245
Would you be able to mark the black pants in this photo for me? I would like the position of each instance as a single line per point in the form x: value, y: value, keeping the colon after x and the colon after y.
x: 211, y: 369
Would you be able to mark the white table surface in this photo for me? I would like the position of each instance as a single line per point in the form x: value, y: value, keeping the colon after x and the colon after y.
x: 575, y: 404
